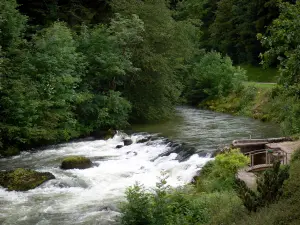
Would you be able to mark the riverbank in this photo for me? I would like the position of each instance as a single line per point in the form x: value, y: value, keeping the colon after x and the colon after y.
x: 252, y: 101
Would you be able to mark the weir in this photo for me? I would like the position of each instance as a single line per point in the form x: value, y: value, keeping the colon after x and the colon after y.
x: 263, y: 153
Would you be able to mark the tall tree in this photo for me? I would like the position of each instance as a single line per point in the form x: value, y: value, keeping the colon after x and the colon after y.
x: 39, y: 90
x: 283, y: 43
x: 12, y: 24
x: 236, y: 25
x: 154, y: 89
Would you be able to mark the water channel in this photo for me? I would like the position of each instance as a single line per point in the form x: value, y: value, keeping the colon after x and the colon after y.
x: 92, y: 196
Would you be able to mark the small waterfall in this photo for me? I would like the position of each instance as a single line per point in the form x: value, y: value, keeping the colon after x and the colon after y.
x: 78, y: 196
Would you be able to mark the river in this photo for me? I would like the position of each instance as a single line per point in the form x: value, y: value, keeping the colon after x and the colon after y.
x: 92, y: 196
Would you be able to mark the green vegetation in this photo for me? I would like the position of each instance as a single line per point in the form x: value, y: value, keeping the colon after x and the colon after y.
x: 212, y: 201
x: 252, y: 100
x: 219, y: 175
x: 269, y: 188
x: 23, y: 179
x: 260, y: 74
x: 76, y: 162
x: 276, y: 200
x: 89, y: 72
x: 213, y: 76
x: 106, y: 65
x: 286, y: 209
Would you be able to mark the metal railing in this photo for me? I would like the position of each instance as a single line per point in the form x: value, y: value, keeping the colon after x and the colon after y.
x: 271, y: 155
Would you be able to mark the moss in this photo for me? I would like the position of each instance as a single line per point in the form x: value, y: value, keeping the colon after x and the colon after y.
x: 23, y: 179
x: 76, y: 162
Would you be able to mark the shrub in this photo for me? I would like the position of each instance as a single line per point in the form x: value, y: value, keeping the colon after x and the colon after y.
x: 179, y: 207
x: 219, y: 175
x: 213, y: 76
x: 269, y: 188
x: 138, y: 208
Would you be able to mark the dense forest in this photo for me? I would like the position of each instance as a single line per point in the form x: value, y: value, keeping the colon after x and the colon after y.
x: 72, y: 67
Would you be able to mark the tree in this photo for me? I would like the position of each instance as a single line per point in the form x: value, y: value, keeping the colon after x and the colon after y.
x: 154, y: 89
x: 12, y: 24
x: 213, y: 76
x: 108, y: 66
x: 39, y: 90
x: 283, y: 44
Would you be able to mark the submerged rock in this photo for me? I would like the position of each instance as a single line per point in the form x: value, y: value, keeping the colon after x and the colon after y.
x: 23, y: 179
x: 76, y: 162
x: 143, y: 140
x: 127, y: 142
x: 119, y: 146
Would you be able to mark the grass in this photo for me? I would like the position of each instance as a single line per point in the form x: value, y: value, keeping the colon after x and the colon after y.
x: 259, y: 74
x: 260, y: 85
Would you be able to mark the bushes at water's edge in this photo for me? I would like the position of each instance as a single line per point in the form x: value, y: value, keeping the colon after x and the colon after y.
x: 212, y: 76
x: 212, y: 201
x: 249, y: 101
x: 212, y: 206
x: 268, y: 103
x: 61, y: 82
x: 286, y: 210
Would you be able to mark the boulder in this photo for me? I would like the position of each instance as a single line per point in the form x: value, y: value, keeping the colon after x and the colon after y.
x: 143, y: 140
x: 119, y: 146
x: 23, y: 179
x: 127, y: 142
x: 76, y: 162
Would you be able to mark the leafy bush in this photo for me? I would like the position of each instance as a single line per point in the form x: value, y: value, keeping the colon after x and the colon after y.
x: 269, y: 188
x: 286, y: 209
x: 167, y: 206
x: 219, y: 174
x: 213, y: 76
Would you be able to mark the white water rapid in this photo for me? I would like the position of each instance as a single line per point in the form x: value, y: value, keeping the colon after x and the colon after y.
x: 91, y: 196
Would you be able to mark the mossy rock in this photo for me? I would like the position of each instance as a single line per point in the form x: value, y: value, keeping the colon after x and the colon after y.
x: 76, y: 162
x: 23, y: 179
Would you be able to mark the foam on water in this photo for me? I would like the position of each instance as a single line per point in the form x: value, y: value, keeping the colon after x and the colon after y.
x: 91, y: 196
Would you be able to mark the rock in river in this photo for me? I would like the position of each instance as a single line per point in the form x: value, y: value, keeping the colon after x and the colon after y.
x: 23, y: 179
x: 76, y: 162
x: 127, y: 142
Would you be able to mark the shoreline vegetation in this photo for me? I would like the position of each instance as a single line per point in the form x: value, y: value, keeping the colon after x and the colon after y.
x: 70, y: 69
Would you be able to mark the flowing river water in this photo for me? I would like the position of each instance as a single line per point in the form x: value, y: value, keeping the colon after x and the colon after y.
x: 92, y: 196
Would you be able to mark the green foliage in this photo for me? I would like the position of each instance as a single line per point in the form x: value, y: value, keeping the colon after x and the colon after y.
x: 178, y: 206
x: 12, y: 24
x: 236, y: 24
x: 39, y: 89
x: 260, y: 74
x: 269, y: 188
x: 219, y: 175
x: 138, y: 209
x: 154, y: 88
x: 213, y: 76
x: 228, y: 163
x: 283, y: 43
x: 286, y: 209
x: 107, y: 67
